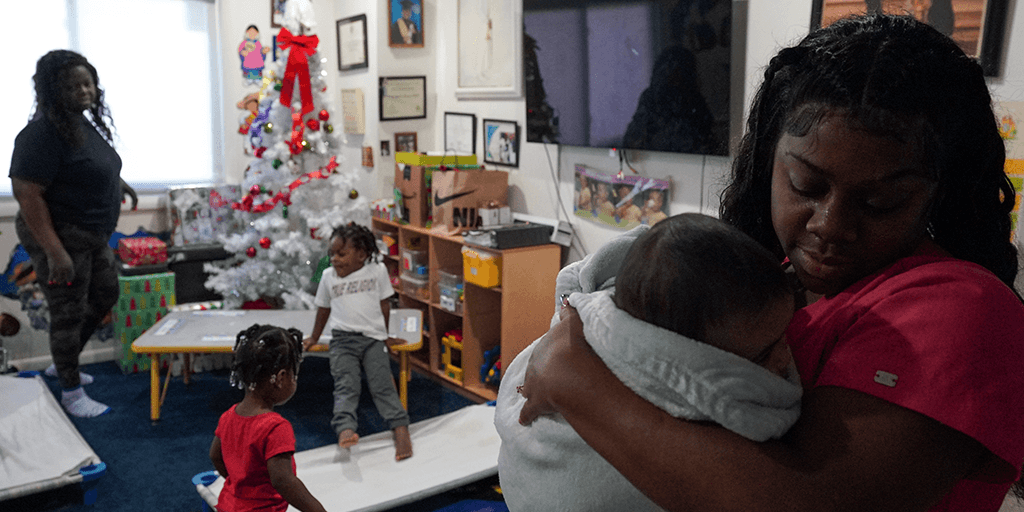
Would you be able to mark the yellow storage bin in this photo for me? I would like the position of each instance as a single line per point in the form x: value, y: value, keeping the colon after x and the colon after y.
x: 480, y: 267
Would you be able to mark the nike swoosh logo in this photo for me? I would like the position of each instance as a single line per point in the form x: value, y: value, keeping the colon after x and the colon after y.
x: 438, y: 200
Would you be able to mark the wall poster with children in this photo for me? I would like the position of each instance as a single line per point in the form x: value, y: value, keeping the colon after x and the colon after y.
x: 1010, y: 115
x: 621, y: 201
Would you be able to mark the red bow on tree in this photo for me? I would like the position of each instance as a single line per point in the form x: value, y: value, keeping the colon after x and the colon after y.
x: 298, y: 67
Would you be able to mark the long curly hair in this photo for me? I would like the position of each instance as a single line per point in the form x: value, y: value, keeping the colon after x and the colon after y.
x: 51, y: 82
x: 262, y: 351
x: 894, y: 77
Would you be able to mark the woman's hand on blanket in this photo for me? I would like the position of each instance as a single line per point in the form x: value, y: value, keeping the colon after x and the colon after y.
x: 553, y: 366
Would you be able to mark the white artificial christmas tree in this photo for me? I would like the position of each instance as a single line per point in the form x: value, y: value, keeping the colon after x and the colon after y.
x: 297, y: 189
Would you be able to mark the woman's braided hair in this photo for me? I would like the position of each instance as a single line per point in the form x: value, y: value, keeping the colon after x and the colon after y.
x: 262, y: 351
x: 51, y: 80
x: 894, y: 77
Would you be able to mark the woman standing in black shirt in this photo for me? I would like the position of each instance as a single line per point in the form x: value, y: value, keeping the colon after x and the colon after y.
x: 65, y: 175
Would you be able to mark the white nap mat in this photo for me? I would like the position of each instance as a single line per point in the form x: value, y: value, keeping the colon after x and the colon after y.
x: 448, y: 451
x: 40, y: 449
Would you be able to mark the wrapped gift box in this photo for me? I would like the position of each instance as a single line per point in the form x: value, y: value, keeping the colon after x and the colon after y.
x: 200, y: 214
x: 143, y: 301
x: 140, y: 251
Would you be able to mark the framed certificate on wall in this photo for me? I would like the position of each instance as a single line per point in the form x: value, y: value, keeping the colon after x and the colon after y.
x: 403, y: 97
x: 352, y: 51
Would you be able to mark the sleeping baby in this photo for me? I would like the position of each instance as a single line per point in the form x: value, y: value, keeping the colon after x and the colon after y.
x: 690, y: 314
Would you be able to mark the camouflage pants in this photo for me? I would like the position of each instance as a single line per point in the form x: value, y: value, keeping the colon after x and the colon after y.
x: 76, y: 310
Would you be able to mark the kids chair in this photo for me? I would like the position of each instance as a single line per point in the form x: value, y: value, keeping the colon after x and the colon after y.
x: 407, y: 325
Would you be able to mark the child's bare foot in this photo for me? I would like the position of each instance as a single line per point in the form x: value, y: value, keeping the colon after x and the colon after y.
x: 403, y: 443
x: 348, y: 438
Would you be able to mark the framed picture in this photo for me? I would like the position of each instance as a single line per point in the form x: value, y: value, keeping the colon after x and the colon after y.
x: 978, y: 26
x: 405, y: 23
x: 405, y: 142
x: 277, y: 13
x: 352, y: 50
x: 460, y: 133
x: 501, y: 142
x: 490, y: 61
x: 403, y: 97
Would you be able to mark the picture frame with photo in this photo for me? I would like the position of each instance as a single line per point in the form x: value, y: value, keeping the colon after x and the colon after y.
x: 277, y: 13
x: 490, y: 43
x: 982, y: 41
x: 501, y: 142
x: 353, y: 52
x: 405, y: 23
x: 460, y: 133
x: 405, y: 142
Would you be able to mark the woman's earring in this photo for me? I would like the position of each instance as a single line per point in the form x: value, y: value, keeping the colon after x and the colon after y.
x: 273, y: 378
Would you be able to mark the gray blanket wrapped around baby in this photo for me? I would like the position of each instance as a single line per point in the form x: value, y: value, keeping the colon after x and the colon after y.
x: 546, y: 466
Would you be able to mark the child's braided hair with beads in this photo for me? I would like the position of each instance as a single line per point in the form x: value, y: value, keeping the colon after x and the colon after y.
x: 263, y: 350
x: 361, y: 239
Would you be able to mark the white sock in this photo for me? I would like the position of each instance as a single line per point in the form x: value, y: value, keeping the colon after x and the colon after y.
x: 78, y: 404
x: 84, y: 378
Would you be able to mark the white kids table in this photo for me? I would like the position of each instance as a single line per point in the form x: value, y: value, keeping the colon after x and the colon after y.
x: 209, y: 331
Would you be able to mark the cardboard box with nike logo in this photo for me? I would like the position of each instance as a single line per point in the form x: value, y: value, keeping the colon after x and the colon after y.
x: 458, y: 195
x: 413, y: 183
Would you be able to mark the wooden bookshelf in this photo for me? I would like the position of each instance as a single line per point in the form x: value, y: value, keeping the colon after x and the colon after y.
x: 511, y: 315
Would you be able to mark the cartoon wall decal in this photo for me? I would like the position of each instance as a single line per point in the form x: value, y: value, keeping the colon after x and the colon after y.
x: 251, y: 52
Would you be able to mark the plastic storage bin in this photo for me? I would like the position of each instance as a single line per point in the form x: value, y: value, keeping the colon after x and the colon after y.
x: 480, y: 267
x: 413, y: 260
x: 387, y: 242
x: 415, y: 286
x: 450, y: 287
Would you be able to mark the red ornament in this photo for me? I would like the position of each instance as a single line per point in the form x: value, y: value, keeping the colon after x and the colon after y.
x: 313, y: 124
x: 254, y: 190
x: 265, y: 243
x: 251, y: 252
x: 312, y: 232
x: 324, y: 115
x: 259, y: 151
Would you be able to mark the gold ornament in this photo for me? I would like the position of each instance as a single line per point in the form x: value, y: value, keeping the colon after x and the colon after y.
x: 269, y: 127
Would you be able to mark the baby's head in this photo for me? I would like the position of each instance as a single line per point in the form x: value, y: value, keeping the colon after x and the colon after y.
x: 352, y: 246
x: 704, y: 279
x: 262, y: 352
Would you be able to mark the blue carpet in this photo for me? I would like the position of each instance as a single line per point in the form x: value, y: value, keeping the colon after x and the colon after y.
x: 150, y: 466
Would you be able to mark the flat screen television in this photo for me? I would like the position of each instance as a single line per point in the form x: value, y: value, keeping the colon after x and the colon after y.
x: 652, y: 75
